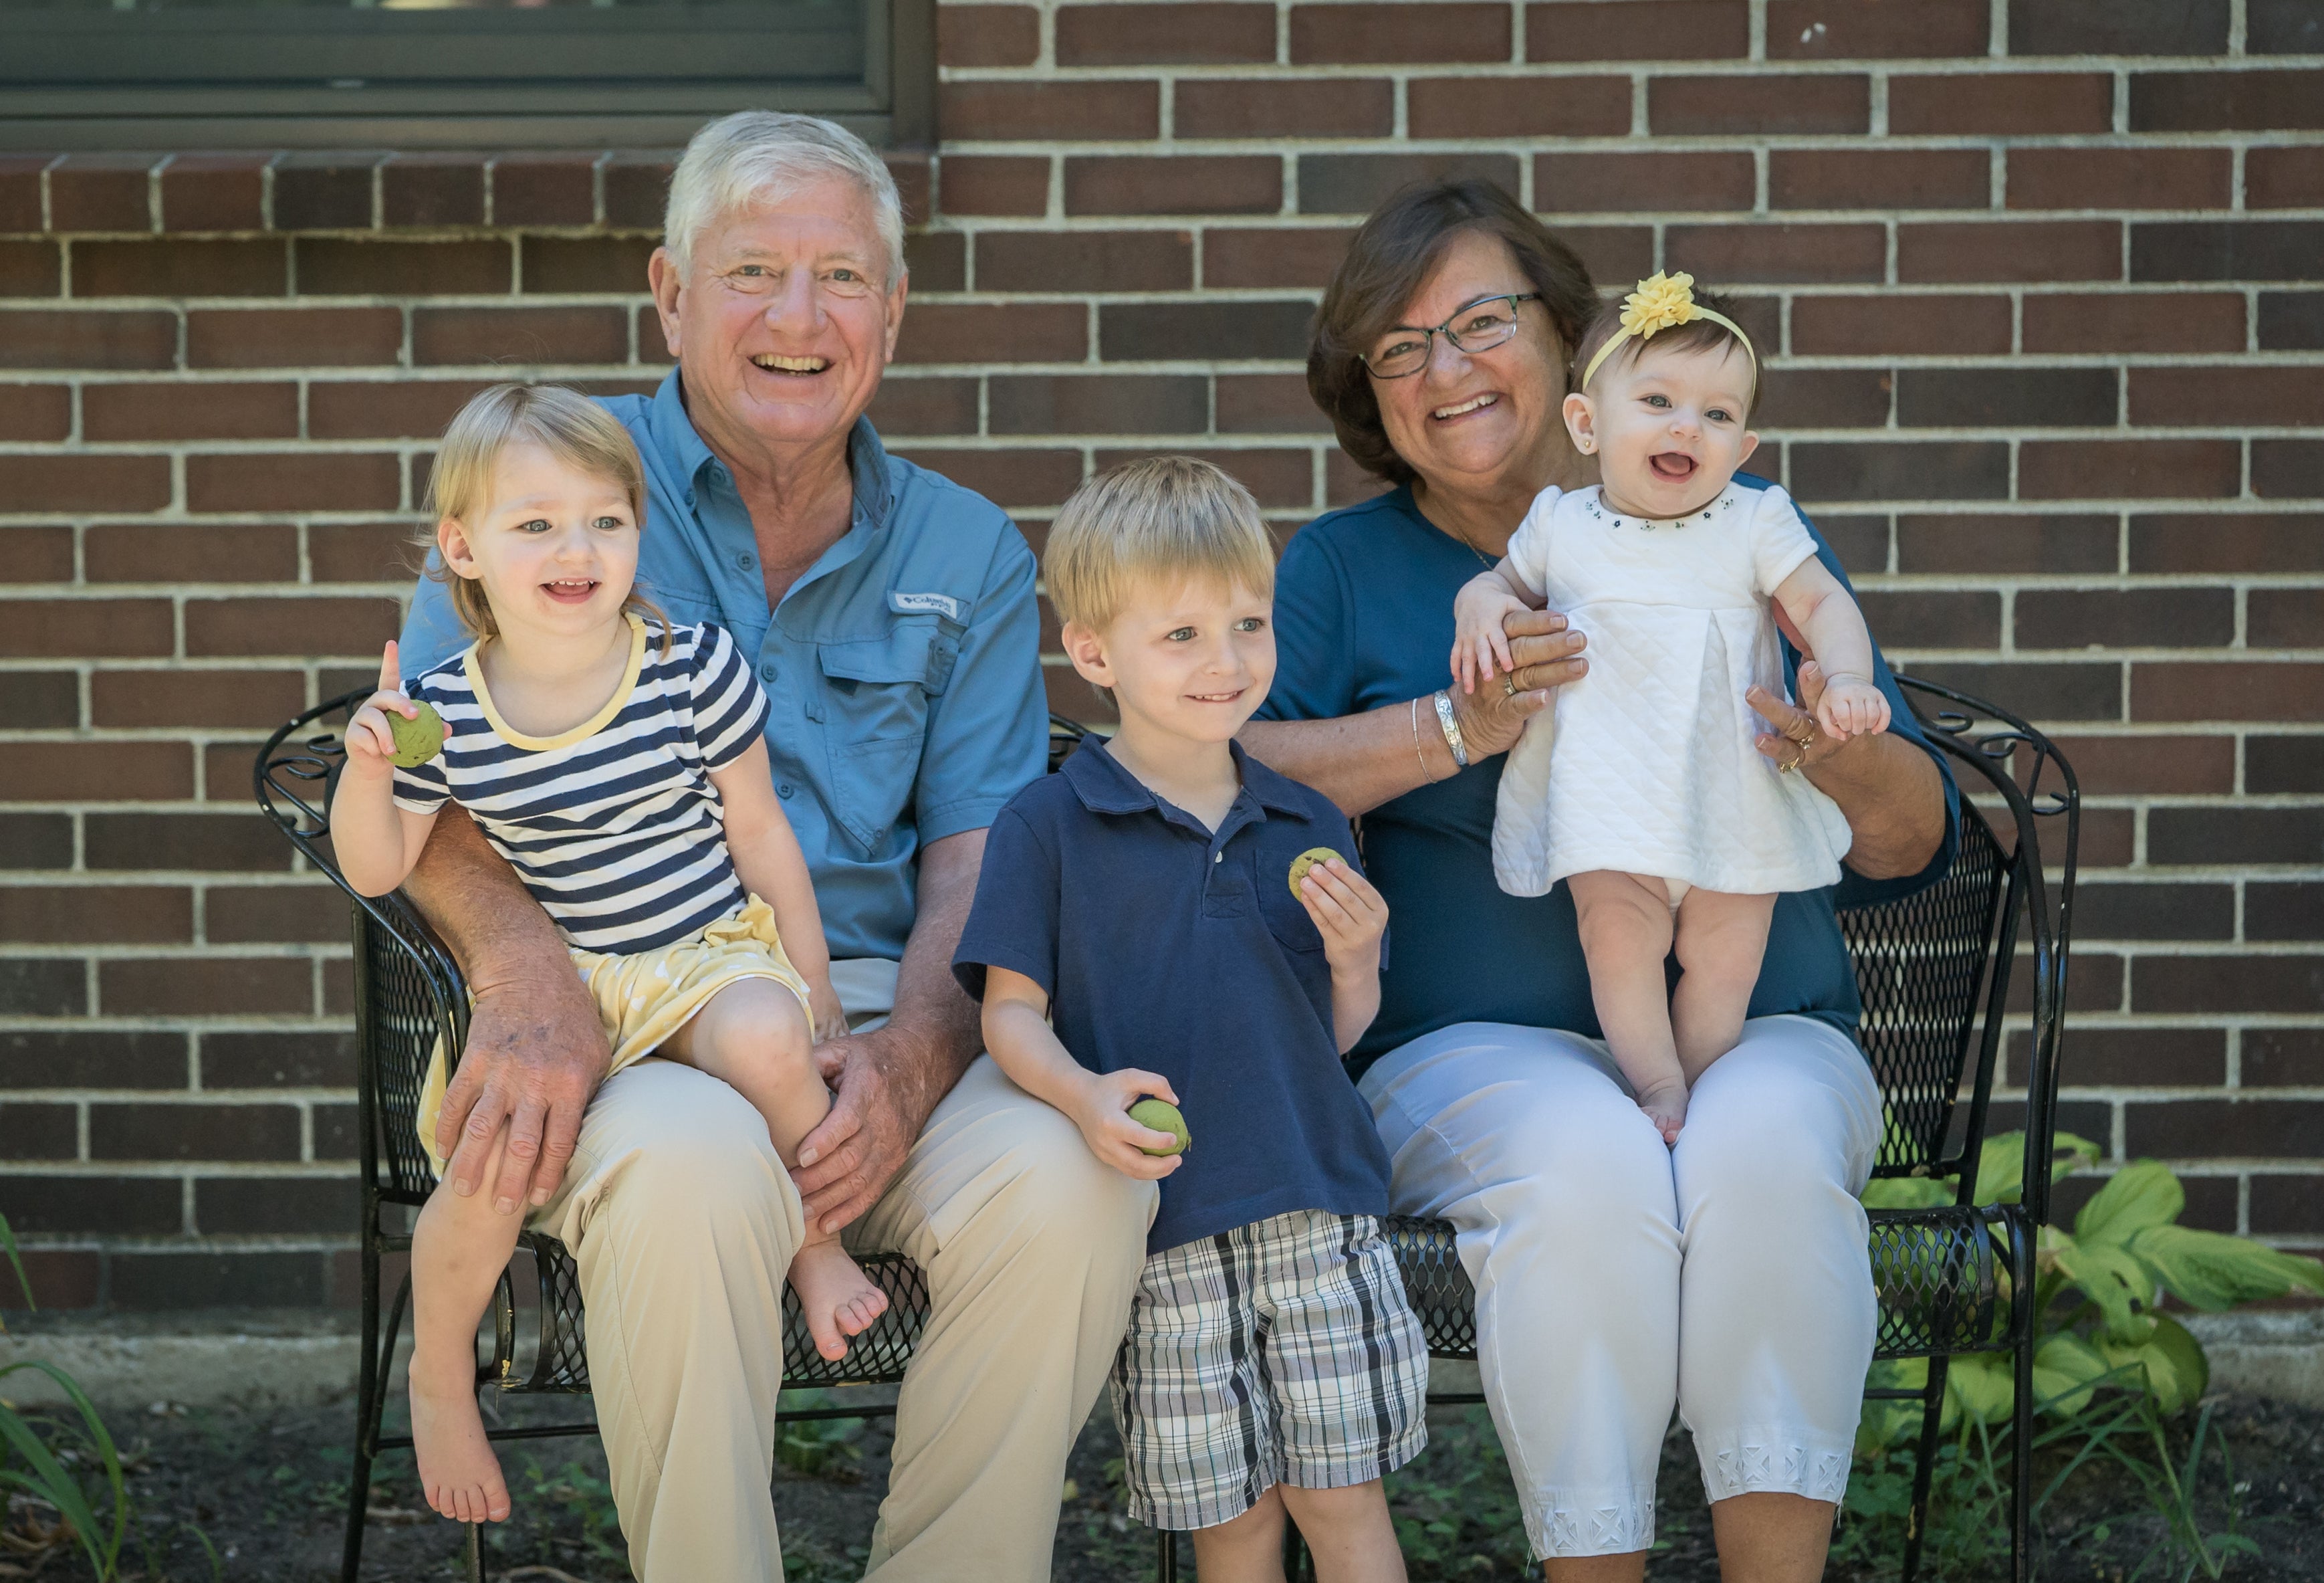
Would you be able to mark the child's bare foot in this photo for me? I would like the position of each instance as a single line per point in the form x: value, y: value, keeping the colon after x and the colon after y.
x: 838, y: 1299
x: 458, y: 1469
x: 1665, y: 1104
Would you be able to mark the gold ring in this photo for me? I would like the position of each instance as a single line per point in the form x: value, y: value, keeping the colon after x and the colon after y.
x: 1788, y: 766
x: 1508, y: 685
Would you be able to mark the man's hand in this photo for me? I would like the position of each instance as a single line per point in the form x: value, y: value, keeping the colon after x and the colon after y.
x: 881, y: 1097
x: 535, y: 1055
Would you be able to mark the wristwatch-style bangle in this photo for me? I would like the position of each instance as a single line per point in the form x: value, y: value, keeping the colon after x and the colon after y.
x: 1444, y: 717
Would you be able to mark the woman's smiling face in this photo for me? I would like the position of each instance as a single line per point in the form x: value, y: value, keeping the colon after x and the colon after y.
x: 1469, y: 418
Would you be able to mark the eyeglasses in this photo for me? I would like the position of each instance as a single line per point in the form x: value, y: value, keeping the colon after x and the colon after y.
x: 1484, y: 324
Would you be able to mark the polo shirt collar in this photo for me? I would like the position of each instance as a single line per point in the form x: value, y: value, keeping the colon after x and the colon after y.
x: 1104, y: 786
x: 675, y: 436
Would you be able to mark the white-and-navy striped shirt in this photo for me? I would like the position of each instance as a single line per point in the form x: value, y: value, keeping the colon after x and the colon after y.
x: 614, y: 826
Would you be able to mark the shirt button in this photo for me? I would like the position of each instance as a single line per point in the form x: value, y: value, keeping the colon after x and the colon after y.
x: 1218, y: 858
x: 785, y: 789
x: 767, y: 672
x: 746, y: 561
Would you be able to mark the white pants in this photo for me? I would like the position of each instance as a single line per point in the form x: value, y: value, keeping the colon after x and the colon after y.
x: 1615, y: 1276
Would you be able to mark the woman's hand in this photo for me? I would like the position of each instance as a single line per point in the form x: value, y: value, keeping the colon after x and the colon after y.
x: 1103, y: 1113
x: 1545, y: 654
x: 1796, y: 738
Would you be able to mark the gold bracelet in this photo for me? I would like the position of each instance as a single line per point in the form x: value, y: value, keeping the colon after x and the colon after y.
x: 1419, y: 757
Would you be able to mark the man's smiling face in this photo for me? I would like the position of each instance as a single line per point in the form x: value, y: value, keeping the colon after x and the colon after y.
x: 784, y: 319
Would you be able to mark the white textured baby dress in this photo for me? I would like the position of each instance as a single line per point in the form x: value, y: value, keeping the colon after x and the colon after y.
x: 1650, y: 767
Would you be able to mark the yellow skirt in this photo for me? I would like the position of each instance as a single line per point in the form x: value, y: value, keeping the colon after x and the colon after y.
x: 645, y: 998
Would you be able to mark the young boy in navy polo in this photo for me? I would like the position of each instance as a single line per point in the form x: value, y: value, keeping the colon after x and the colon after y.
x: 1140, y: 930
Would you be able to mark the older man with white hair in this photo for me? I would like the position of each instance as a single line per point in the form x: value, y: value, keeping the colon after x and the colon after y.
x: 892, y: 620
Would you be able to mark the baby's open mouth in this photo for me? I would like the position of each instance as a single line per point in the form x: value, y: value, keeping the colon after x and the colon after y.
x: 774, y: 364
x: 1672, y: 467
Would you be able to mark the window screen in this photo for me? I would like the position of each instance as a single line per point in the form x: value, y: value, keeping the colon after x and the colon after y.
x: 169, y: 74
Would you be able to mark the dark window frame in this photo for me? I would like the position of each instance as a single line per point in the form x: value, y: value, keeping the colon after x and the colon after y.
x: 75, y: 80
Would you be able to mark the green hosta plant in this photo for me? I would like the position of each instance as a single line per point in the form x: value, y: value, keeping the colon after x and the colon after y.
x: 37, y: 1454
x: 2095, y: 1294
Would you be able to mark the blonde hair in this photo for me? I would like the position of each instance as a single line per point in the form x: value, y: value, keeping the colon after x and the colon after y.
x: 754, y: 155
x: 1164, y: 517
x: 565, y: 423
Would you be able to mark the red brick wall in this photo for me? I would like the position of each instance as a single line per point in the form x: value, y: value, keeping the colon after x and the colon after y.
x: 2037, y: 282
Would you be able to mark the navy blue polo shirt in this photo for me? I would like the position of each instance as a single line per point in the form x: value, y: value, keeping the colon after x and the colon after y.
x: 1175, y: 950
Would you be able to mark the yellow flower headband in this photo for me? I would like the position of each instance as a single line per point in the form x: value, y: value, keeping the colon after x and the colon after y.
x: 1662, y: 303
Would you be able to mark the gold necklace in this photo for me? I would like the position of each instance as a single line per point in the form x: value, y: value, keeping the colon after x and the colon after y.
x: 1482, y: 559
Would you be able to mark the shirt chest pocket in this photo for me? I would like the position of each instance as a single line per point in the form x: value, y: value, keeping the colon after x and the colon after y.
x: 1285, y: 914
x: 878, y: 692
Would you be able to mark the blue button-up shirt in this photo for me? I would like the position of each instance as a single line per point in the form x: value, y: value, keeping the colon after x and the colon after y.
x: 903, y: 669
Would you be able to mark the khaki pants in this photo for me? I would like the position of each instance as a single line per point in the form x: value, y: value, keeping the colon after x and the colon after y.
x: 682, y: 1221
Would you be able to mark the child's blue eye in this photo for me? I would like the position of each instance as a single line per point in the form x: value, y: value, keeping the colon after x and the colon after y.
x: 611, y: 523
x: 1658, y: 401
x: 1719, y: 415
x: 1250, y: 623
x: 1182, y: 635
x: 537, y: 525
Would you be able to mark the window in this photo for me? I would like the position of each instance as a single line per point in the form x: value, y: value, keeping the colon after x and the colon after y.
x: 182, y: 74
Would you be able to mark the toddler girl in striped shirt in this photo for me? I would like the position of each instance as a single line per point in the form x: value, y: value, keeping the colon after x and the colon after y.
x: 615, y: 761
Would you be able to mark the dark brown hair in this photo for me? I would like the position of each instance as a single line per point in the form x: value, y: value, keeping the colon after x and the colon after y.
x: 1695, y: 335
x: 1387, y: 262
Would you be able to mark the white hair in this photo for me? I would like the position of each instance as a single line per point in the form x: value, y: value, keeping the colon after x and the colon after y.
x: 755, y: 155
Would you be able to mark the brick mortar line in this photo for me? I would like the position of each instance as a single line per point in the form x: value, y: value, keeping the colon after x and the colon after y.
x: 1024, y: 225
x: 1931, y: 434
x: 1296, y: 145
x: 178, y: 1098
x: 1978, y: 65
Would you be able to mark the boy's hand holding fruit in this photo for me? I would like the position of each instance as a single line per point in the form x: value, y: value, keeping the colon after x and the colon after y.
x: 1102, y: 1111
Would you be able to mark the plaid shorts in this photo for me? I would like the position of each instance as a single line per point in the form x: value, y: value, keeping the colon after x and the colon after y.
x: 1282, y: 1352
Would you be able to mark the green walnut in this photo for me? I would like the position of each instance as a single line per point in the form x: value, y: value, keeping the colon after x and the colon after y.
x: 1162, y: 1117
x: 418, y: 739
x: 1314, y: 857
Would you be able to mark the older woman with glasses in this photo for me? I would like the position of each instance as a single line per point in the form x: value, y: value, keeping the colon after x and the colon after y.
x: 1615, y: 1276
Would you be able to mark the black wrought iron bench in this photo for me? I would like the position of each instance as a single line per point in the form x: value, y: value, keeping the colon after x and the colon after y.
x: 1934, y: 971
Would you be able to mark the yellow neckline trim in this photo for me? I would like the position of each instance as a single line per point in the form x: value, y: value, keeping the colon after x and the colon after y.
x: 597, y: 722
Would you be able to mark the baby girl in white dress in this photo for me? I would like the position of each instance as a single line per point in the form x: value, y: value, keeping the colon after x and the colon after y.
x: 1654, y: 806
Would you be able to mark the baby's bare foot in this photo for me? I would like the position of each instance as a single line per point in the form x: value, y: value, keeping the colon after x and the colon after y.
x: 458, y: 1469
x: 838, y: 1299
x: 1665, y: 1105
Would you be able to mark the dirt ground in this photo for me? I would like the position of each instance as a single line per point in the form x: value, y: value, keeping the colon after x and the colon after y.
x: 263, y: 1492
